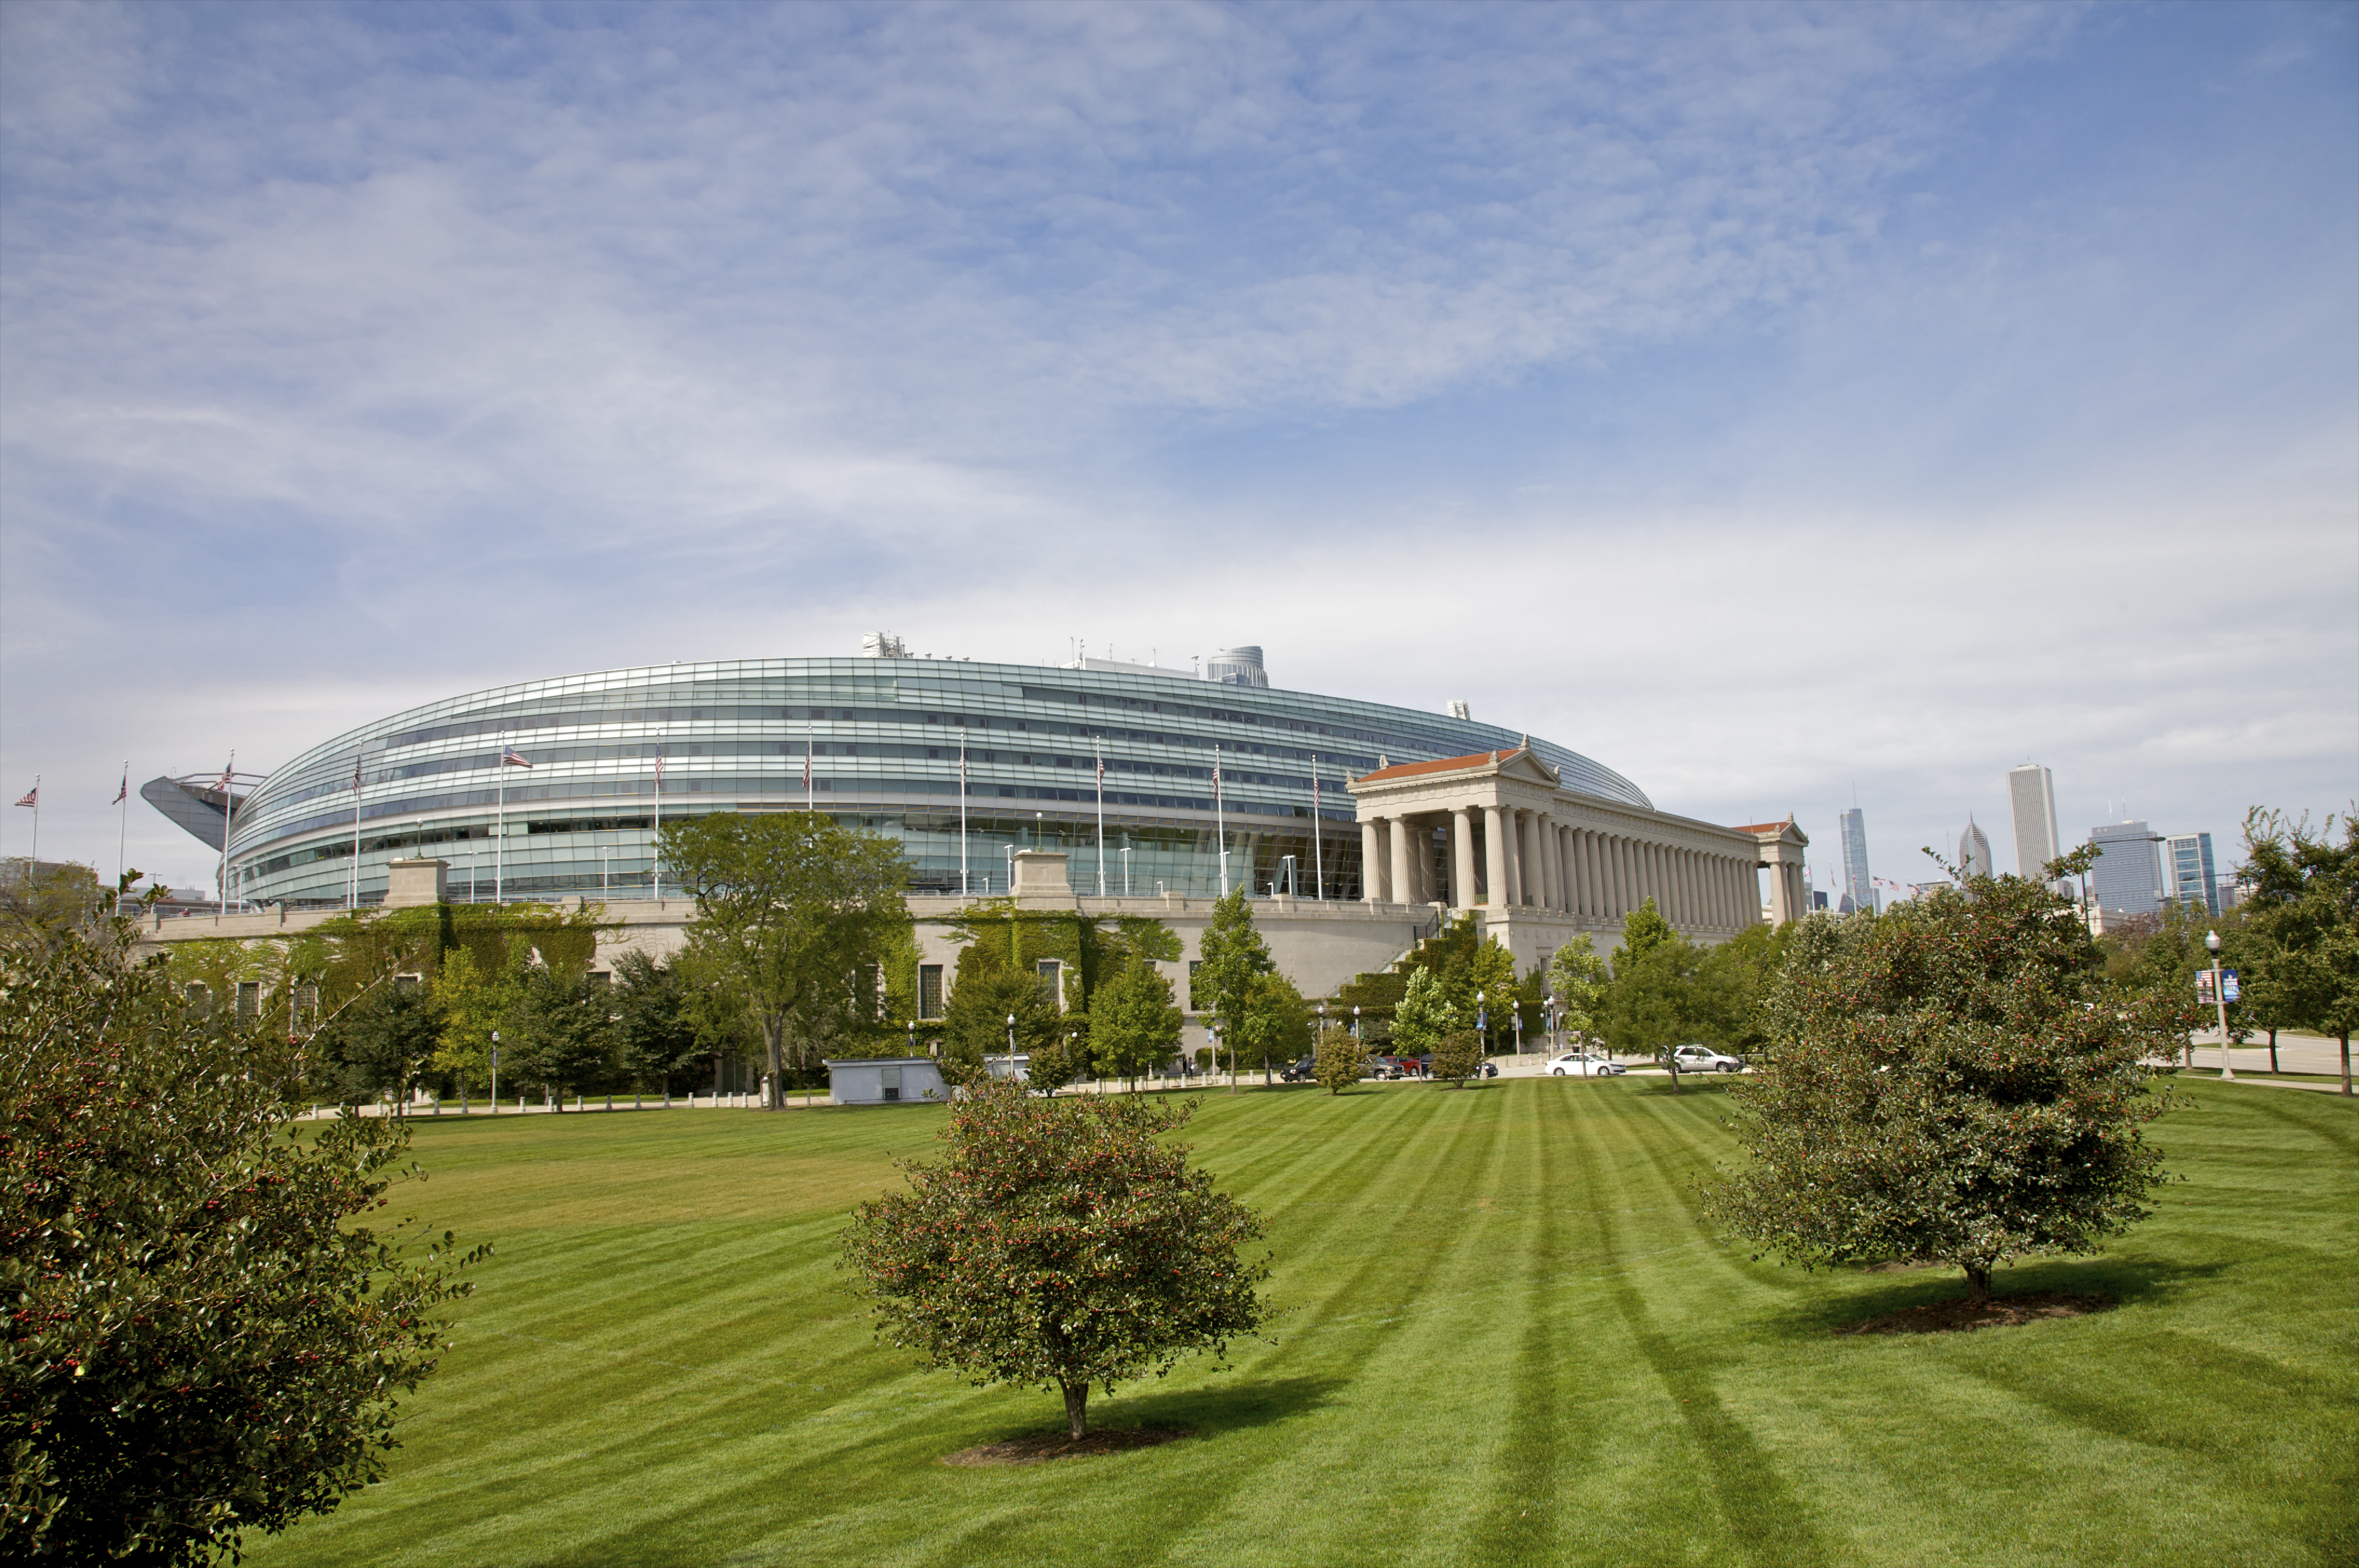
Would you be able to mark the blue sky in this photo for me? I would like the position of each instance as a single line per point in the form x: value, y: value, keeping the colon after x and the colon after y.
x: 1782, y: 404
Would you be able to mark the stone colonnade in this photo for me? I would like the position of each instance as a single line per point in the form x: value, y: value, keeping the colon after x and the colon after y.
x: 1531, y: 859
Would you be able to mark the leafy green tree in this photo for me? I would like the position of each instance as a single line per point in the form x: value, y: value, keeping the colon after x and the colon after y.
x: 1952, y: 1081
x: 1134, y: 1023
x: 795, y: 914
x: 2305, y: 910
x: 1653, y: 1002
x: 43, y: 904
x: 1340, y: 1058
x: 974, y: 1024
x: 1059, y: 1243
x: 654, y: 1020
x: 207, y: 1326
x: 1577, y: 977
x: 1231, y: 955
x: 1424, y: 1016
x: 1458, y: 1056
x: 1733, y: 983
x: 379, y: 1043
x: 566, y: 1037
x: 1276, y: 1024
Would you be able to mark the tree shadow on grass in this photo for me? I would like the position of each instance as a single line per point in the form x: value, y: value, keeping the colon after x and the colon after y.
x: 1690, y: 1084
x: 1207, y: 1412
x: 2126, y: 1280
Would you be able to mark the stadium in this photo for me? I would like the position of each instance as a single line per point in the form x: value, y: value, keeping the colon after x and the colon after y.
x: 553, y: 788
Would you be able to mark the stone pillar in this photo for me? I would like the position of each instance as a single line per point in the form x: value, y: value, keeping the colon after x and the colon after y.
x: 1576, y: 871
x: 1560, y: 856
x: 1609, y: 854
x: 1372, y: 861
x: 1584, y: 849
x: 1495, y: 855
x: 1461, y: 857
x: 1404, y: 867
x: 1551, y: 887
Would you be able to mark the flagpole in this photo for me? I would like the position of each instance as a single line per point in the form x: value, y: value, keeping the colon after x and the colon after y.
x: 500, y: 817
x: 122, y: 823
x: 228, y: 811
x: 353, y: 900
x: 33, y: 865
x: 1318, y: 837
x: 655, y: 853
x: 1219, y: 823
x: 1100, y: 748
x: 963, y: 888
x: 811, y: 789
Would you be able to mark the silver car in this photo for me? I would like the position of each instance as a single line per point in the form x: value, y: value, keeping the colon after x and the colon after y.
x: 1704, y: 1059
x: 1583, y: 1064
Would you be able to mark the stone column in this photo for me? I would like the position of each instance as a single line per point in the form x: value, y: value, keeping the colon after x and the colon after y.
x: 1372, y: 861
x: 1495, y: 856
x: 1514, y: 819
x: 1616, y: 884
x: 1404, y: 867
x: 1551, y: 862
x: 1560, y: 856
x: 1461, y: 857
x: 1576, y: 870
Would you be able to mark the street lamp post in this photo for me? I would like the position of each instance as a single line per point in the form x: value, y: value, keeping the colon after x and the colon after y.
x: 1126, y: 871
x: 1355, y: 1020
x: 495, y: 1073
x: 2219, y: 999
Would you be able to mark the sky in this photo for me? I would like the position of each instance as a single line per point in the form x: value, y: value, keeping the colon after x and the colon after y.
x: 1789, y: 407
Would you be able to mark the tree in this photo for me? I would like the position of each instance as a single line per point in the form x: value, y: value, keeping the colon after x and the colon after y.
x: 1134, y: 1023
x: 975, y: 1025
x: 1953, y: 1080
x: 654, y: 1020
x: 1058, y: 1244
x: 1231, y: 955
x: 206, y: 1328
x: 1276, y: 1024
x: 1577, y: 977
x: 1457, y: 1056
x: 45, y: 904
x: 1341, y: 1058
x: 566, y: 1039
x: 379, y: 1043
x: 1652, y: 1003
x: 2305, y: 909
x: 1733, y: 981
x: 792, y: 912
x: 1424, y: 1016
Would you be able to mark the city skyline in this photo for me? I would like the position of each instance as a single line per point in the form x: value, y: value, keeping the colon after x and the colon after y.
x: 1560, y: 361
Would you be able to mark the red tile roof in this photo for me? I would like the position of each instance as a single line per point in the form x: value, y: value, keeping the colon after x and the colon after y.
x: 1767, y: 827
x: 1442, y: 765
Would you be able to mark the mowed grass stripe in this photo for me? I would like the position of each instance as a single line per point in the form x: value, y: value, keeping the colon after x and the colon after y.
x: 1509, y: 1344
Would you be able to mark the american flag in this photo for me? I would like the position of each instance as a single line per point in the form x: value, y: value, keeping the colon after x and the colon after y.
x: 356, y: 773
x: 1314, y: 786
x: 511, y: 757
x: 222, y: 783
x: 1100, y: 768
x: 32, y: 797
x: 807, y: 756
x: 660, y: 762
x: 962, y: 770
x: 1216, y: 773
x: 123, y: 793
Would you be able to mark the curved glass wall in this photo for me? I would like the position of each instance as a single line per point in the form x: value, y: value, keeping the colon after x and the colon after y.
x: 881, y: 739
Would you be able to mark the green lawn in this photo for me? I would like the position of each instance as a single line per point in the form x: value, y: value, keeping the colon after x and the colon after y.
x: 1504, y: 1339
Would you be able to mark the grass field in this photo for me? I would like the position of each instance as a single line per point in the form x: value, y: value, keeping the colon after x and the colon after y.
x: 1504, y: 1340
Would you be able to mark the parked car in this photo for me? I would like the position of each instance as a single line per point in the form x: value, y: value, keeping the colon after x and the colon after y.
x: 1704, y: 1059
x: 1583, y: 1064
x: 1302, y: 1071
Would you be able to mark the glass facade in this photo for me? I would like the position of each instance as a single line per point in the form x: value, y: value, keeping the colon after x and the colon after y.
x: 2188, y: 864
x: 879, y: 741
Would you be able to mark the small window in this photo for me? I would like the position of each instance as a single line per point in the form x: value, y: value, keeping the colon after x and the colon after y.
x: 249, y: 1000
x: 892, y: 1080
x: 1195, y: 1004
x: 601, y: 977
x: 1052, y: 971
x: 929, y: 990
x: 197, y: 996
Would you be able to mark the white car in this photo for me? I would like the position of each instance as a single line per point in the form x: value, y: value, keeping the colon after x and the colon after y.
x: 1583, y: 1065
x: 1704, y: 1059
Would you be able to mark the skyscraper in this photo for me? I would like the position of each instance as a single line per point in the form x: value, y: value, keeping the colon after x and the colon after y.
x: 1974, y: 851
x: 2187, y: 870
x: 2127, y: 877
x: 2031, y: 794
x: 1856, y: 881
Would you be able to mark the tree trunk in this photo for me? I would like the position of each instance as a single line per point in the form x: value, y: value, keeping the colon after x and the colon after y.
x: 1077, y: 1407
x: 2273, y: 1051
x: 774, y: 1095
x: 2345, y: 1037
x: 1978, y: 1289
x: 1675, y: 1073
